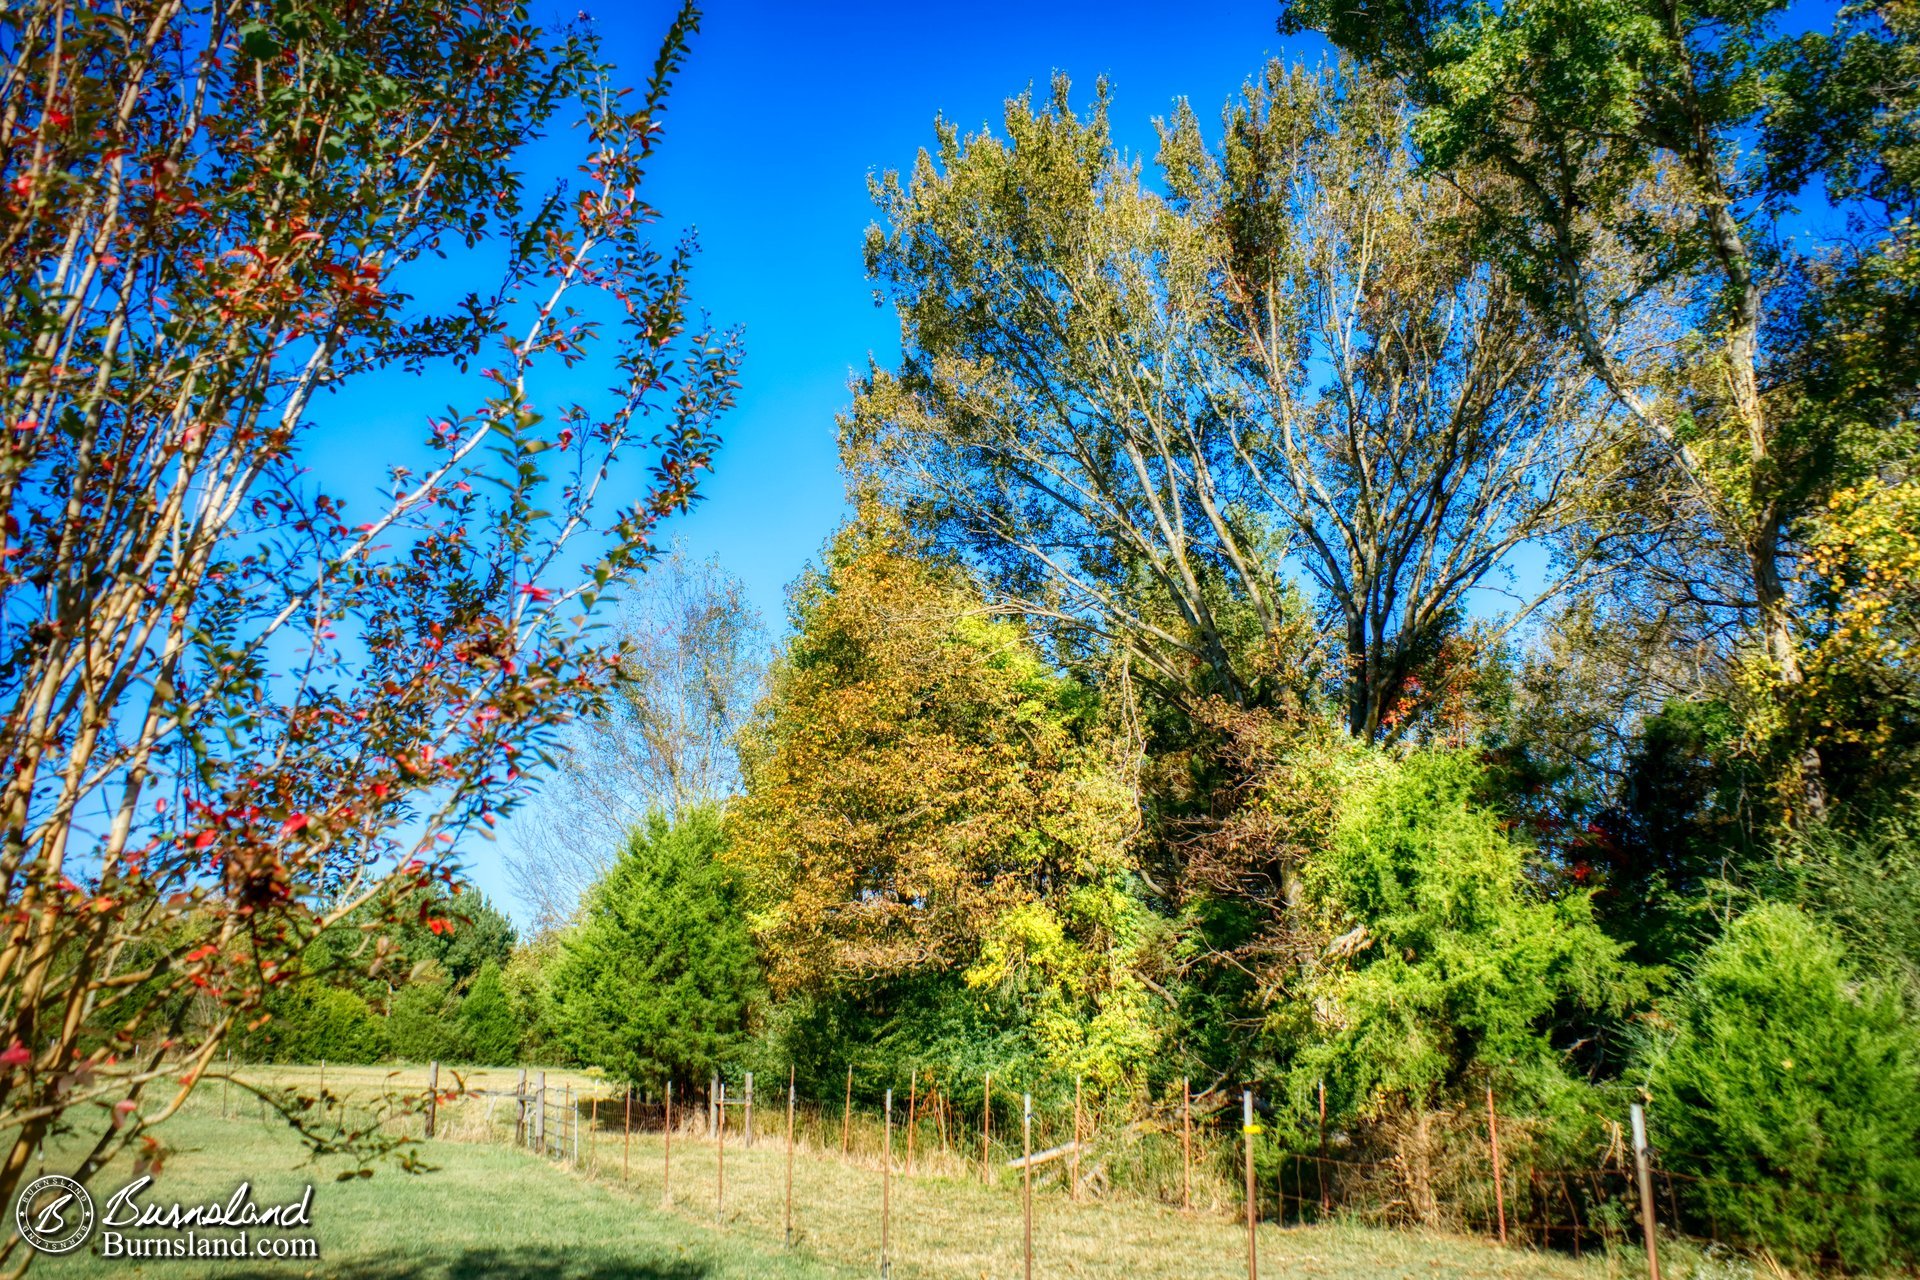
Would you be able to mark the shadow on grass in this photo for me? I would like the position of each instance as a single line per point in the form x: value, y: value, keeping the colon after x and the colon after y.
x: 491, y: 1264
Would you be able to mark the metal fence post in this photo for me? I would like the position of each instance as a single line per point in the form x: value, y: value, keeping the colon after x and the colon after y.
x: 1026, y: 1176
x: 1499, y: 1190
x: 886, y: 1191
x: 986, y: 1134
x: 1186, y: 1142
x: 1247, y: 1130
x: 1643, y: 1166
x: 790, y: 1098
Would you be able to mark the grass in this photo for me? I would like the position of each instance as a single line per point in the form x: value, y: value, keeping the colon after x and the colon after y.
x: 490, y: 1210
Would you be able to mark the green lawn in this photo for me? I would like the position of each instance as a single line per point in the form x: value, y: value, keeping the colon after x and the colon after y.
x: 489, y: 1210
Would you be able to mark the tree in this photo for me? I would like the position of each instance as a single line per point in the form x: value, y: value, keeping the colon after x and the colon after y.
x: 914, y: 773
x: 1433, y: 966
x: 1652, y: 150
x: 423, y: 1023
x: 1140, y: 413
x: 1790, y: 1087
x: 491, y: 1032
x: 314, y: 1022
x: 471, y: 934
x: 1389, y: 398
x: 656, y: 980
x: 233, y: 713
x: 692, y: 658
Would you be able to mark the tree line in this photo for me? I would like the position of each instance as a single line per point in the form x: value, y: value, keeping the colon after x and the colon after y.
x: 1410, y: 589
x: 1410, y: 592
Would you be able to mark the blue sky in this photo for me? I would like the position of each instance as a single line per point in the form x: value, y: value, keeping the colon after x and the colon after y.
x: 781, y: 114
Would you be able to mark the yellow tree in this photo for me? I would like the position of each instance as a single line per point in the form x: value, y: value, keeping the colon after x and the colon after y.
x: 915, y: 774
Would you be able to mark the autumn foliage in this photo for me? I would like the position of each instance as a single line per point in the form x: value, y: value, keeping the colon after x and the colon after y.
x: 240, y: 699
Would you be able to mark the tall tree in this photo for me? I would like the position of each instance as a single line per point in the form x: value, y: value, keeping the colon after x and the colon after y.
x: 232, y: 714
x: 655, y: 981
x: 915, y: 773
x: 693, y: 656
x: 1653, y: 149
x: 1142, y: 414
x: 1387, y: 394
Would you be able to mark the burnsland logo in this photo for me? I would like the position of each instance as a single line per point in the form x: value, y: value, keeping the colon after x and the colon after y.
x: 54, y: 1214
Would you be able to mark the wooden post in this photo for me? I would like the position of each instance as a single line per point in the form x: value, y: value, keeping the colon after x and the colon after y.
x: 540, y: 1117
x: 1074, y: 1174
x: 1643, y: 1165
x: 323, y: 1075
x: 1246, y: 1128
x: 1186, y: 1143
x: 666, y: 1153
x: 748, y: 1119
x: 433, y: 1096
x: 1026, y: 1176
x: 986, y: 1134
x: 886, y: 1191
x: 520, y: 1110
x: 720, y: 1154
x: 913, y: 1113
x: 1499, y: 1191
x: 846, y: 1117
x: 573, y: 1114
x: 789, y: 1156
x: 626, y: 1137
x: 1320, y: 1167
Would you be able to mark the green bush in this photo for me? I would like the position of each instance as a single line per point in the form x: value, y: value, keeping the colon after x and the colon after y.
x: 1451, y: 967
x: 313, y: 1022
x: 422, y: 1023
x: 1793, y: 1088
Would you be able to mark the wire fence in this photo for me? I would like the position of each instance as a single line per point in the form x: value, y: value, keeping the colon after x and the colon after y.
x: 1188, y: 1151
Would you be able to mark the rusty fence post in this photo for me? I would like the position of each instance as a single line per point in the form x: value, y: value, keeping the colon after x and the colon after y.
x: 986, y: 1134
x: 666, y: 1152
x: 1499, y: 1189
x: 886, y: 1190
x: 720, y: 1153
x: 1186, y: 1143
x: 626, y: 1138
x: 1073, y: 1176
x: 846, y: 1116
x: 1247, y: 1130
x: 1320, y: 1164
x: 1643, y: 1167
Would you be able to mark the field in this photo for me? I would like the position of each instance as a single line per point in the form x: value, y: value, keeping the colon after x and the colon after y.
x: 491, y: 1210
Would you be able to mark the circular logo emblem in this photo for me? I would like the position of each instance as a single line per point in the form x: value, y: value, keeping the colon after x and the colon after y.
x: 54, y: 1214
